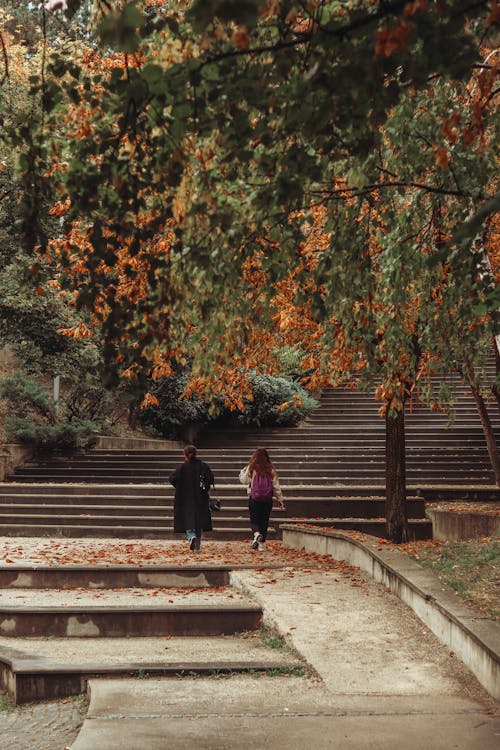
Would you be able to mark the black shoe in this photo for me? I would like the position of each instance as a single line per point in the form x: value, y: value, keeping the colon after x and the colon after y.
x: 193, y: 543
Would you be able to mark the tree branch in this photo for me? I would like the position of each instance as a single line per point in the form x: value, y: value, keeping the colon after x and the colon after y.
x: 5, y: 59
x: 353, y: 192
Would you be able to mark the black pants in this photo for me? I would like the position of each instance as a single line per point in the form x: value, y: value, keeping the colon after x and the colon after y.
x: 260, y: 510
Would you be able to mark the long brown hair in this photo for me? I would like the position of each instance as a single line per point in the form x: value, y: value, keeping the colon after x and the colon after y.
x: 261, y: 463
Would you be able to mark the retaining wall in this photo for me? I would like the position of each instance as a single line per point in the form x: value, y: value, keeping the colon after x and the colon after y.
x: 474, y: 640
x: 12, y: 455
x: 450, y: 527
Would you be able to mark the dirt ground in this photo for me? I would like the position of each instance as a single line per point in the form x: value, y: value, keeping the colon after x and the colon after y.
x: 471, y: 568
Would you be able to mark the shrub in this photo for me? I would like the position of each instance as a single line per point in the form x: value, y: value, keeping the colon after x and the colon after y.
x: 290, y: 362
x: 175, y: 413
x: 49, y: 437
x: 276, y: 401
x: 33, y: 419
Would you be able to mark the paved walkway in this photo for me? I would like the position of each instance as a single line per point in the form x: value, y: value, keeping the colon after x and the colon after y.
x: 376, y: 677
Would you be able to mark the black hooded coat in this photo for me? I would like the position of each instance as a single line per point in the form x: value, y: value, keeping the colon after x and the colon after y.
x: 192, y: 481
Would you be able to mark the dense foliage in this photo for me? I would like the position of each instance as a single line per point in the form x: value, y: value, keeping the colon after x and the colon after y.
x: 236, y: 177
x: 273, y: 401
x: 36, y: 421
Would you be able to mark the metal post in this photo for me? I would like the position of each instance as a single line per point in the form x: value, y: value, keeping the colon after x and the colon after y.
x: 57, y: 380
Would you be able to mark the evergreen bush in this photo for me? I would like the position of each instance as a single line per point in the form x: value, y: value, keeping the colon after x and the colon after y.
x: 34, y: 420
x: 175, y: 413
x: 276, y: 402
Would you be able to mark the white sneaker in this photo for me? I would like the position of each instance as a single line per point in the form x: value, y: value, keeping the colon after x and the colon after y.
x: 261, y: 547
x: 257, y: 538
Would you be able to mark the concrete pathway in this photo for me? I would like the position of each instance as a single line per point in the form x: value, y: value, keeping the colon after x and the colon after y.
x: 378, y: 679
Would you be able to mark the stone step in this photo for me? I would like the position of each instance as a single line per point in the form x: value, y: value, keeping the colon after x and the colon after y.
x: 231, y: 467
x: 241, y: 455
x: 306, y: 472
x: 74, y: 531
x: 9, y: 513
x: 163, y: 493
x: 226, y: 476
x: 467, y: 494
x: 120, y: 518
x: 363, y: 477
x: 48, y: 669
x: 86, y: 613
x: 95, y: 577
x: 368, y: 479
x: 347, y: 441
x: 332, y: 430
x: 421, y: 529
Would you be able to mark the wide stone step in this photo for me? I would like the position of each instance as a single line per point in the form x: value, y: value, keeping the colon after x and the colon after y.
x: 164, y: 493
x: 118, y: 518
x: 376, y: 478
x: 126, y: 514
x: 146, y: 490
x: 39, y: 497
x: 73, y: 531
x: 347, y: 441
x: 231, y: 467
x: 95, y: 577
x: 51, y: 668
x: 239, y: 455
x: 135, y: 612
x: 467, y: 494
x: 331, y: 431
x: 335, y: 472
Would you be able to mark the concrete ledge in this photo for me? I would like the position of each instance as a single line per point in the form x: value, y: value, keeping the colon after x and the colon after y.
x: 146, y: 444
x: 474, y: 639
x: 11, y: 456
x: 450, y: 527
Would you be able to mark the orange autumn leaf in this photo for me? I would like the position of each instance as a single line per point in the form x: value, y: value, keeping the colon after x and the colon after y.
x: 149, y: 400
x: 442, y: 158
x: 391, y: 39
x: 494, y: 15
x: 240, y: 38
x: 81, y: 331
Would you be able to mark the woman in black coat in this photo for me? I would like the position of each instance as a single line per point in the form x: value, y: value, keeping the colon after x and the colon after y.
x: 192, y: 480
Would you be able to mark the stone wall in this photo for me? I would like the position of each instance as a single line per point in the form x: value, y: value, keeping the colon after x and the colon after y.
x: 448, y: 526
x: 12, y: 455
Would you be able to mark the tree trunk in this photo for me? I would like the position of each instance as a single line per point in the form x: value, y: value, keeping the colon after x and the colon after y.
x: 395, y: 478
x: 495, y: 388
x: 489, y: 435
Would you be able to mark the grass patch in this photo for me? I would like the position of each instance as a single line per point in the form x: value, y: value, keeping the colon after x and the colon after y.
x: 471, y: 568
x: 270, y: 639
x: 267, y: 637
x: 4, y: 702
x: 292, y: 671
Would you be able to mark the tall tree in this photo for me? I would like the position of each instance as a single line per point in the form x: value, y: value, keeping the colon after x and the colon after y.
x: 198, y: 148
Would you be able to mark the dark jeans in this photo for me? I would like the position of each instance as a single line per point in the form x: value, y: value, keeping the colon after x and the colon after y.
x: 260, y: 510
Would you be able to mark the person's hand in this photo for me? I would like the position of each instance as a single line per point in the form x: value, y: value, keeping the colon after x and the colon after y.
x: 281, y: 505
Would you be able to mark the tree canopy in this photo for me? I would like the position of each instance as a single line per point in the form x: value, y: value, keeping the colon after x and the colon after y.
x: 233, y: 178
x: 210, y: 159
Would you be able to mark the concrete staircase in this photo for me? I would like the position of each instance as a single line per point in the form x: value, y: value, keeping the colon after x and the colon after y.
x: 62, y: 625
x: 331, y: 471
